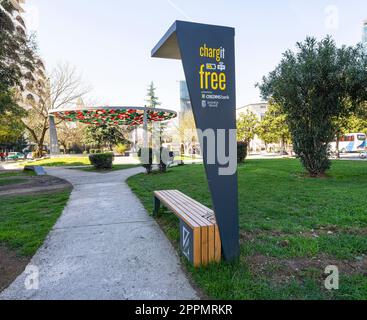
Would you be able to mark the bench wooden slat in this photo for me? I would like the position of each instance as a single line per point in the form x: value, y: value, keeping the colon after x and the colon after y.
x: 179, y: 212
x: 205, y: 210
x: 207, y: 233
x: 205, y: 229
x: 206, y: 213
x: 207, y: 244
x: 187, y: 205
x: 177, y: 209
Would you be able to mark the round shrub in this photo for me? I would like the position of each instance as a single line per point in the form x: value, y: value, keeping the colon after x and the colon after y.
x: 102, y: 160
x: 241, y: 152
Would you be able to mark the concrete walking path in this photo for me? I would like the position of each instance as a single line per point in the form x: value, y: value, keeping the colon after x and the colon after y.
x: 104, y: 246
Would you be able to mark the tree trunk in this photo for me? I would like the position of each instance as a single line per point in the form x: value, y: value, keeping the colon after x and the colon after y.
x: 40, y: 144
x: 39, y: 150
x: 64, y: 144
x: 337, y: 148
x: 283, y: 146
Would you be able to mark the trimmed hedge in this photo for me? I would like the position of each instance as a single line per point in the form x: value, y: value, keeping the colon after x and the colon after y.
x: 241, y: 152
x: 102, y: 160
x: 93, y: 151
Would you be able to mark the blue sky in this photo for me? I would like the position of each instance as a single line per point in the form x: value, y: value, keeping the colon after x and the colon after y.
x: 109, y: 41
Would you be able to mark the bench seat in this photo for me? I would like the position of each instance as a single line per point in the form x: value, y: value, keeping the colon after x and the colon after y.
x: 200, y: 239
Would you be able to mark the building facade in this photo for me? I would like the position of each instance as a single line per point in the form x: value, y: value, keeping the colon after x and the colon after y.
x: 259, y: 110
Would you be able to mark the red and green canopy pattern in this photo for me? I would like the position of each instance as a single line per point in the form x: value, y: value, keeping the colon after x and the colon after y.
x: 130, y: 117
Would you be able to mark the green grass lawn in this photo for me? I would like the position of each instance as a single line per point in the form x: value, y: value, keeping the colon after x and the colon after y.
x: 10, y: 181
x: 115, y: 167
x: 12, y: 174
x: 25, y: 221
x: 187, y: 158
x: 59, y: 162
x: 12, y: 177
x: 292, y: 227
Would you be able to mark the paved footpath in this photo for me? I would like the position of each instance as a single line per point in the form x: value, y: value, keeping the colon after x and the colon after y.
x: 104, y: 246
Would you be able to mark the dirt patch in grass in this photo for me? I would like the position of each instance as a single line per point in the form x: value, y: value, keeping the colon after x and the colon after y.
x: 250, y: 236
x: 10, y: 267
x: 34, y: 184
x: 282, y: 271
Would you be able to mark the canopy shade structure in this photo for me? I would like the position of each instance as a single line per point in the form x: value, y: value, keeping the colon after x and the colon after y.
x: 130, y: 116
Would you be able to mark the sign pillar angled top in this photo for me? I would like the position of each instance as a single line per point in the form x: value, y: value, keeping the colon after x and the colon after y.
x: 208, y: 57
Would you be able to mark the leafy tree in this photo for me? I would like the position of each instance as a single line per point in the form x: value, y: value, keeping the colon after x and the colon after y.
x: 8, y: 101
x: 16, y: 56
x: 11, y: 129
x: 356, y: 124
x: 246, y: 127
x: 273, y: 128
x: 152, y: 99
x: 152, y: 102
x: 106, y: 135
x: 313, y: 86
x: 11, y: 126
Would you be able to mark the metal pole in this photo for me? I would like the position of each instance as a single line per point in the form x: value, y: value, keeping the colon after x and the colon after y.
x: 145, y: 129
x: 135, y: 134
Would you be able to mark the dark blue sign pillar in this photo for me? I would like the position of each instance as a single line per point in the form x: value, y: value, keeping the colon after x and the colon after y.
x: 208, y: 57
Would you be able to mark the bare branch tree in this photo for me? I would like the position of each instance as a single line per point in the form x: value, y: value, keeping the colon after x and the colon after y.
x: 186, y: 132
x: 61, y: 89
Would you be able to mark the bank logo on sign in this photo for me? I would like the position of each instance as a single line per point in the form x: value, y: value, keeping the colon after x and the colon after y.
x: 186, y: 242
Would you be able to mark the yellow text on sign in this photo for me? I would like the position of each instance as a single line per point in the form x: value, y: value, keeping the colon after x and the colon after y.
x: 212, y: 80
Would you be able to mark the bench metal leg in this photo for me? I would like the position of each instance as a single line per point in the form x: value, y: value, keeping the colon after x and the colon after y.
x: 157, y: 206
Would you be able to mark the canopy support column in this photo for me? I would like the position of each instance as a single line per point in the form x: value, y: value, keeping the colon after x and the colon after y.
x: 54, y: 142
x: 145, y: 129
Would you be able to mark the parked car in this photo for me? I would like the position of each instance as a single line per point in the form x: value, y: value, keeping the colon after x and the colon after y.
x: 15, y: 156
x: 29, y: 156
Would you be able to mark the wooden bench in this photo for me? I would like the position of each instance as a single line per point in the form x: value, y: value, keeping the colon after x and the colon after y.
x: 199, y: 234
